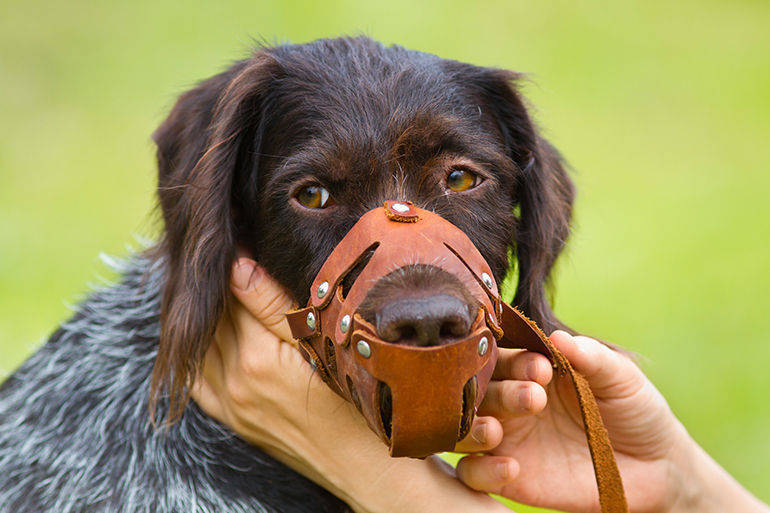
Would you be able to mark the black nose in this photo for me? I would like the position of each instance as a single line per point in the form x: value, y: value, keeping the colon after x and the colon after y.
x: 424, y: 321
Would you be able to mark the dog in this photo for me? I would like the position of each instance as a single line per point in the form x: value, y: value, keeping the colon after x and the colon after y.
x: 280, y: 154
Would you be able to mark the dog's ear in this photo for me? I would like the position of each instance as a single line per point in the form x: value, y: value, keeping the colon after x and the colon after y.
x: 545, y: 197
x: 543, y: 194
x: 201, y: 145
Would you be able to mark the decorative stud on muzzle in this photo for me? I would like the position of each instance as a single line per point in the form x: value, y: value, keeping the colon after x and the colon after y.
x: 422, y: 400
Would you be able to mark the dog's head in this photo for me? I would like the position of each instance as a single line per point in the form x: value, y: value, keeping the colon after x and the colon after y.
x: 283, y: 152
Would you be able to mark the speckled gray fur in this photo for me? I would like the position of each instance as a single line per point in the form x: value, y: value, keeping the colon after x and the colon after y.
x: 75, y: 434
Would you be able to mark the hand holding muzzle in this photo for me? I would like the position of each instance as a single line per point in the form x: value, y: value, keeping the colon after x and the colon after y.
x: 422, y: 400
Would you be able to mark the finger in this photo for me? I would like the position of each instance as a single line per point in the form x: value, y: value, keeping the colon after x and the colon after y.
x: 603, y: 367
x: 486, y: 433
x: 262, y: 296
x: 523, y: 366
x: 242, y: 345
x: 506, y: 399
x: 206, y: 398
x: 487, y: 473
x: 213, y: 370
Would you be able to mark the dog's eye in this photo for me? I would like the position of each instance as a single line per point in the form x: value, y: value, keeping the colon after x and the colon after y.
x: 313, y: 196
x: 461, y: 180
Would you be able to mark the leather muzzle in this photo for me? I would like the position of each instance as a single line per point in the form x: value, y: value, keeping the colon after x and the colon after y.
x: 422, y: 400
x: 419, y: 400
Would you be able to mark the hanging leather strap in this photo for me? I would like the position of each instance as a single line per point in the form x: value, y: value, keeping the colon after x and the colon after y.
x: 523, y: 333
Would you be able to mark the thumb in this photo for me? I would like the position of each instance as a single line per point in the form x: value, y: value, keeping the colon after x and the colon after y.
x: 609, y: 372
x: 261, y: 296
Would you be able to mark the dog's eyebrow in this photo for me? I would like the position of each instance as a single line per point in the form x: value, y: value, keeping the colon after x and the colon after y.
x: 309, y: 158
x: 305, y: 163
x: 431, y: 137
x: 422, y: 140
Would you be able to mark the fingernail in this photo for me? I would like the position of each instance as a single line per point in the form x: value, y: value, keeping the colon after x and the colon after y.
x: 585, y: 346
x: 532, y: 370
x: 525, y: 399
x: 245, y: 274
x: 479, y: 433
x: 503, y: 471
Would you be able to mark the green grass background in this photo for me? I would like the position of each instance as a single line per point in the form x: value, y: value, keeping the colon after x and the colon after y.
x: 663, y: 109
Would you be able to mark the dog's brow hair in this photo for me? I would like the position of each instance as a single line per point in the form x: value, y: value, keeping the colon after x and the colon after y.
x: 400, y: 178
x: 260, y: 154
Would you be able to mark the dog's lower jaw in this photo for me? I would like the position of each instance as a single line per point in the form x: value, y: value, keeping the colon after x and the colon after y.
x: 75, y: 434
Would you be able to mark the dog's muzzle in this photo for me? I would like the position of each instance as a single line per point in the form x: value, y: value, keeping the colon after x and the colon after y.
x: 422, y: 400
x: 419, y: 400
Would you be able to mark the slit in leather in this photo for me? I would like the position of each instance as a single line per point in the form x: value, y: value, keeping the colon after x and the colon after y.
x: 470, y: 390
x: 386, y: 408
x: 330, y: 356
x: 461, y: 259
x: 350, y: 276
x: 353, y: 393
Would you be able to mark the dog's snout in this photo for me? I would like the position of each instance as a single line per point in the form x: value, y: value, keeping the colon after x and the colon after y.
x: 420, y: 305
x: 423, y: 321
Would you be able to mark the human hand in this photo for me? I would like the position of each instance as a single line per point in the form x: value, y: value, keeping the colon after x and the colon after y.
x: 662, y: 467
x: 262, y: 388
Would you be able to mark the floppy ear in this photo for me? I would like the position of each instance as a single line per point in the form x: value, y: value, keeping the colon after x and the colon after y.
x: 544, y: 195
x: 201, y: 147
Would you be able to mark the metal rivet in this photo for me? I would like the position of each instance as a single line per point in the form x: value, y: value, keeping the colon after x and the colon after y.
x: 400, y: 208
x: 487, y: 279
x: 323, y: 288
x: 311, y: 320
x: 364, y: 349
x: 345, y: 324
x: 483, y: 346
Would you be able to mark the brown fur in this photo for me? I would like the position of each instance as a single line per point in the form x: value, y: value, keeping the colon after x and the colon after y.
x: 368, y: 122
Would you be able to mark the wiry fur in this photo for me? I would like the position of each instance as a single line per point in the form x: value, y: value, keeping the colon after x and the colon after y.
x: 75, y: 435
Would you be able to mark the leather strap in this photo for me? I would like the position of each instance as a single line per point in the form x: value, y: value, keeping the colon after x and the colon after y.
x: 523, y: 333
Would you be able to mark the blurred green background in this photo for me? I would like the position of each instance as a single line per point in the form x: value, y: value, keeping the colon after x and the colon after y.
x: 663, y: 109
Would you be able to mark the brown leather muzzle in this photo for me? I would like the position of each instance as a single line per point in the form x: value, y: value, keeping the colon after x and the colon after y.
x: 419, y: 400
x: 422, y: 400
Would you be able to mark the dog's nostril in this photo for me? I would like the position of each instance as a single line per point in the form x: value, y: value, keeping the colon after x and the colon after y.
x: 454, y: 326
x: 423, y: 321
x: 401, y: 331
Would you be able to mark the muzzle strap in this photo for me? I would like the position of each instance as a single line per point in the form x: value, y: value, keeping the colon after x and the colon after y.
x: 523, y: 333
x: 439, y: 377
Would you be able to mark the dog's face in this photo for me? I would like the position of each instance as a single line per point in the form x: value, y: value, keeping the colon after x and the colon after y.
x: 282, y: 153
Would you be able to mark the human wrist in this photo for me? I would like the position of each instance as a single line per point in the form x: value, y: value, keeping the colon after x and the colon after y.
x: 420, y: 486
x: 705, y: 487
x: 685, y: 480
x: 360, y: 472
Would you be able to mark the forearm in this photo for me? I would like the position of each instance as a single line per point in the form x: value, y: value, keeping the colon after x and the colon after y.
x: 393, y: 485
x: 361, y: 473
x: 708, y: 488
x: 402, y: 486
